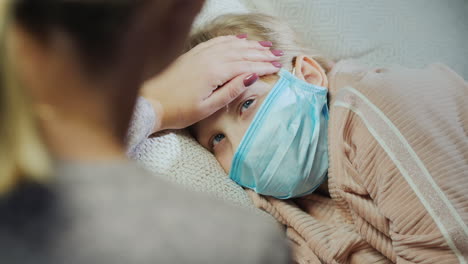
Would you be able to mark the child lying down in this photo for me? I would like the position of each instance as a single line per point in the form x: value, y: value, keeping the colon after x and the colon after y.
x: 393, y: 148
x: 279, y: 125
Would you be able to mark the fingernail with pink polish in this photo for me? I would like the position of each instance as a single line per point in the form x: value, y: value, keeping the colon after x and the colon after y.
x: 267, y: 44
x: 251, y: 79
x: 242, y: 36
x: 277, y: 52
x: 277, y: 64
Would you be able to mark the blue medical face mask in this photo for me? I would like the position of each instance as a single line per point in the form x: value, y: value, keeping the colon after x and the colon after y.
x: 284, y: 152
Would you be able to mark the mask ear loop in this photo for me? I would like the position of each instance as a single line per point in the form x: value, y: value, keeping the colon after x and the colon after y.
x: 294, y: 71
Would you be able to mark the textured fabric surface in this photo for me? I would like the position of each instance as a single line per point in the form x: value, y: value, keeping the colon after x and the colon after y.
x: 385, y: 205
x: 317, y: 231
x: 214, y: 8
x: 410, y: 33
x: 141, y: 126
x: 399, y: 159
x: 118, y: 213
x: 177, y: 157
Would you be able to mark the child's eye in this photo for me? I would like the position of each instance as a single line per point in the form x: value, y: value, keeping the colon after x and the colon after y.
x: 217, y: 139
x: 246, y: 105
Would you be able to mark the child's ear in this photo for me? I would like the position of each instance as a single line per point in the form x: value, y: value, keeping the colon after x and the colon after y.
x: 309, y: 70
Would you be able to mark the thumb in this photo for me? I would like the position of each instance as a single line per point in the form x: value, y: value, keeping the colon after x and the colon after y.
x: 229, y: 91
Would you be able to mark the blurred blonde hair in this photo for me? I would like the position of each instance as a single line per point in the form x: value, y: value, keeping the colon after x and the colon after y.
x: 23, y: 155
x: 260, y: 27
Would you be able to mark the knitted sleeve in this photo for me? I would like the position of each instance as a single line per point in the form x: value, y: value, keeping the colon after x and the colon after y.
x: 141, y: 125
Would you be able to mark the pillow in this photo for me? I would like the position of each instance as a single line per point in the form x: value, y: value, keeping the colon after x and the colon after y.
x: 214, y: 8
x: 176, y: 156
x: 410, y: 33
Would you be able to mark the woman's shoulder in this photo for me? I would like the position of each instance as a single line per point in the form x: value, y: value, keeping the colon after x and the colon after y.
x: 111, y: 211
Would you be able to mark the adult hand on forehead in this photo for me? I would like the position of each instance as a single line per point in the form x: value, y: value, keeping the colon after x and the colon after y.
x: 207, y: 78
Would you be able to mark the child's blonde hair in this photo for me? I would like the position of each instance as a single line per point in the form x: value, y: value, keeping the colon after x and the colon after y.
x: 260, y: 27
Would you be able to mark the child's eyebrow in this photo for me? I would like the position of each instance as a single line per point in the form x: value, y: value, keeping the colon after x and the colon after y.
x: 232, y: 105
x: 202, y: 135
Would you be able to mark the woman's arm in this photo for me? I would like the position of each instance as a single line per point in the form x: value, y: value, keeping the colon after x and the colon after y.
x: 142, y: 125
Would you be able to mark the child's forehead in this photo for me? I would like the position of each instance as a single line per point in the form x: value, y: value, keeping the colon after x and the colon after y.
x: 207, y: 126
x: 259, y: 89
x: 204, y: 126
